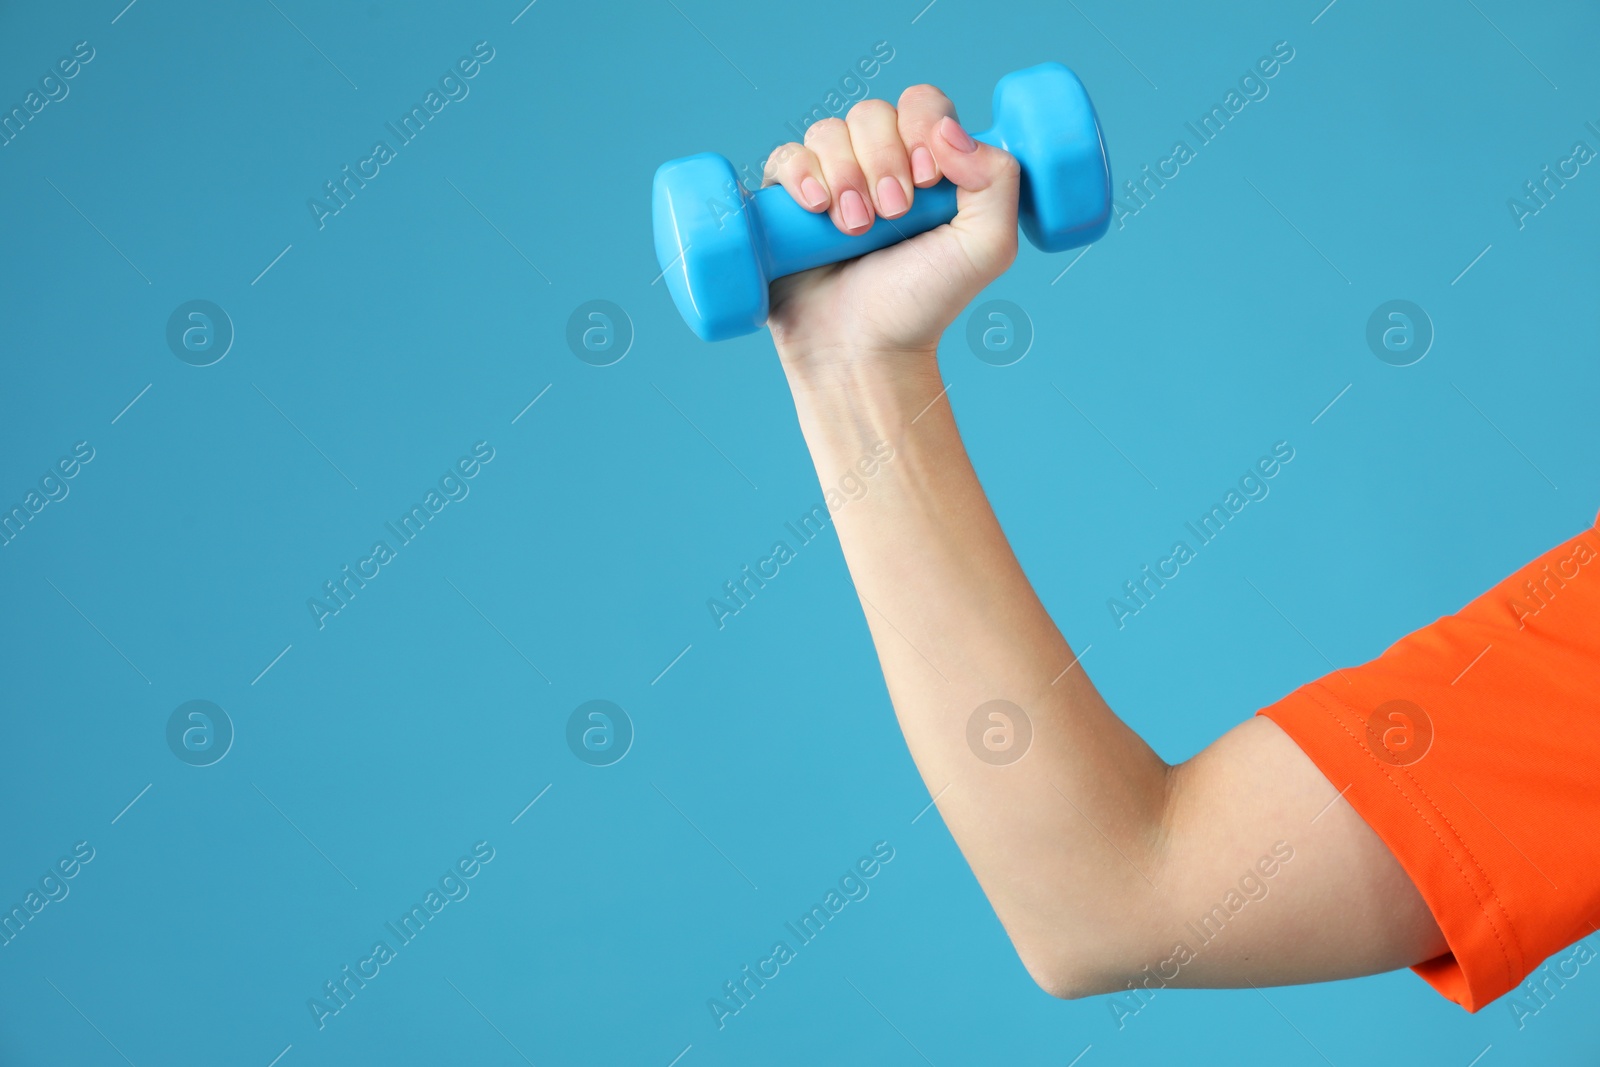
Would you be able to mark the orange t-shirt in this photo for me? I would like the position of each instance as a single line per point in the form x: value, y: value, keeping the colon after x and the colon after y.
x: 1472, y: 748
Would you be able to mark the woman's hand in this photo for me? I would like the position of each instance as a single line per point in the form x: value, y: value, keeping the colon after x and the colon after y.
x: 889, y: 308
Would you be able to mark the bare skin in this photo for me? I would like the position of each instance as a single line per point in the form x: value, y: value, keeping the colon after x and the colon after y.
x: 1096, y: 855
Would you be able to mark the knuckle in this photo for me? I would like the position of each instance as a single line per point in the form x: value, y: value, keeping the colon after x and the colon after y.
x: 786, y: 159
x: 824, y: 128
x: 921, y: 96
x: 794, y: 172
x: 870, y: 108
x: 843, y: 174
x: 885, y: 160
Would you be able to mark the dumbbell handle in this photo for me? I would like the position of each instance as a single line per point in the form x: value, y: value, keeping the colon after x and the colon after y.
x: 797, y: 240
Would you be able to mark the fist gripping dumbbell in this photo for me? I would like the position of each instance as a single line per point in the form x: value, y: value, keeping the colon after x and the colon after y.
x: 720, y: 246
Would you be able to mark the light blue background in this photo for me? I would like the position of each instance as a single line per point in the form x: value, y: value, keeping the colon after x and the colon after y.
x: 409, y: 328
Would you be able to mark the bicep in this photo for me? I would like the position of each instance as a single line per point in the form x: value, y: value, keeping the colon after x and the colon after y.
x: 1269, y: 877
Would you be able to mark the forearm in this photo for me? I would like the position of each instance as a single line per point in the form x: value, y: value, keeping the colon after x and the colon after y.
x: 1067, y: 838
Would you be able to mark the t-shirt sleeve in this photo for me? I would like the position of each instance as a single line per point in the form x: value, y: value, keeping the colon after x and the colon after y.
x: 1472, y: 748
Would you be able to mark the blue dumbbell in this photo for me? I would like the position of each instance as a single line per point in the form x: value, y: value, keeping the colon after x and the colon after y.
x: 719, y: 246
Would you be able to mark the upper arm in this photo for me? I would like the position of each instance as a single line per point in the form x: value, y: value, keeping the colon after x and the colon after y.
x: 1440, y: 803
x: 1267, y: 876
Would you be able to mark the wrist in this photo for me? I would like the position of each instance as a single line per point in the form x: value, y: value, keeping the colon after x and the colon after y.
x: 849, y: 383
x: 885, y: 416
x: 849, y: 401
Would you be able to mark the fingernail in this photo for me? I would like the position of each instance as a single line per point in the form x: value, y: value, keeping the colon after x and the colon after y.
x: 958, y: 138
x: 922, y: 169
x: 812, y: 192
x: 891, y: 198
x: 853, y: 210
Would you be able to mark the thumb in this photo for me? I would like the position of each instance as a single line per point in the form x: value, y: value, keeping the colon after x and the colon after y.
x: 987, y: 180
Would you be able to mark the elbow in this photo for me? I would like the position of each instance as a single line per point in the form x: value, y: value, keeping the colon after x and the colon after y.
x: 1065, y: 976
x: 1062, y: 986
